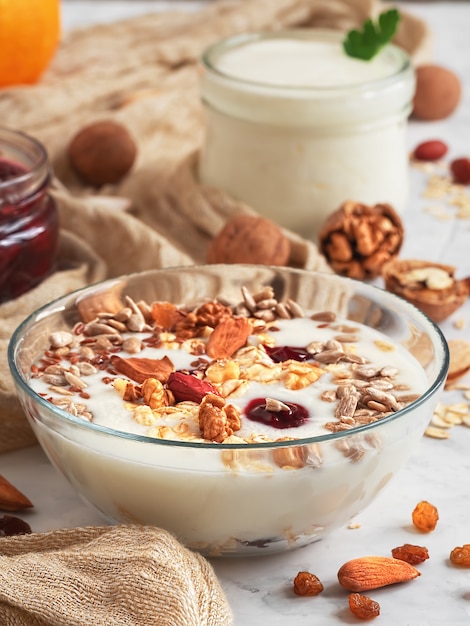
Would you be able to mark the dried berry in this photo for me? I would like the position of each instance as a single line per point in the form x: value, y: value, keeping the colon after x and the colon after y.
x: 410, y: 553
x: 461, y: 555
x: 430, y: 150
x: 363, y: 607
x: 189, y: 388
x: 11, y: 525
x: 460, y: 169
x: 425, y: 516
x: 307, y: 584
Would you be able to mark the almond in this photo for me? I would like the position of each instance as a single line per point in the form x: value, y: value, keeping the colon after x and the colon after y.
x: 228, y: 337
x: 10, y: 498
x: 139, y: 369
x: 90, y: 306
x: 372, y: 572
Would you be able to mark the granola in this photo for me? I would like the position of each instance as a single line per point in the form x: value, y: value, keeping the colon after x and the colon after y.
x: 256, y: 371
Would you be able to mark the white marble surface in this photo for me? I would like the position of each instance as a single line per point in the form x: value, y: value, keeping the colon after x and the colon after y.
x: 259, y: 589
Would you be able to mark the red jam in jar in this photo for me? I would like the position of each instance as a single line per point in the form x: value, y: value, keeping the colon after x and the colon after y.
x: 29, y: 224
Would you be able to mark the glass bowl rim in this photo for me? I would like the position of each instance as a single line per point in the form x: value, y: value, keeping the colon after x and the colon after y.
x: 61, y: 302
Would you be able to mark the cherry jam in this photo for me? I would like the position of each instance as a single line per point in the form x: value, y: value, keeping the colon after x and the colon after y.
x: 294, y: 415
x: 29, y: 224
x: 285, y: 353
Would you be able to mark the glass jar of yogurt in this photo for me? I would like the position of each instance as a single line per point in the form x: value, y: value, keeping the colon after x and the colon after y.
x: 29, y: 222
x: 295, y: 127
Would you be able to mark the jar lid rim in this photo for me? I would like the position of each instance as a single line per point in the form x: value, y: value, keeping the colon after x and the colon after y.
x: 21, y: 143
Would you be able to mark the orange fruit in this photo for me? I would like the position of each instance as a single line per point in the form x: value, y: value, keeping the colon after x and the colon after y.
x: 29, y: 36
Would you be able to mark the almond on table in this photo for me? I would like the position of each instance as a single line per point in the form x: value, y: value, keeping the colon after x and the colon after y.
x: 11, y: 499
x: 373, y: 572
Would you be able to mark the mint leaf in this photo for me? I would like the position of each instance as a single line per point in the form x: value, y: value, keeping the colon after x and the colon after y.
x: 367, y: 43
x: 388, y: 24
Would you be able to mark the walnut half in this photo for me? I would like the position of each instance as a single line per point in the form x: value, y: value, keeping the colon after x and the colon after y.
x: 432, y: 287
x: 358, y: 239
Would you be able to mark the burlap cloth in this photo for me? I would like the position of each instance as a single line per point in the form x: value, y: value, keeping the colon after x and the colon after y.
x: 144, y: 72
x: 107, y: 576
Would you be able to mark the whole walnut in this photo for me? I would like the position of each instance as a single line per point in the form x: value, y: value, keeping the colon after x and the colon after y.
x: 358, y: 239
x: 249, y: 239
x: 438, y: 92
x: 102, y: 152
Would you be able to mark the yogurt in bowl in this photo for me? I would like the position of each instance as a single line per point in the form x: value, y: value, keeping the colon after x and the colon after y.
x: 248, y: 410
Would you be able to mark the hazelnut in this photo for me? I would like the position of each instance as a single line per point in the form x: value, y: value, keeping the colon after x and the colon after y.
x: 249, y: 239
x: 438, y: 92
x: 102, y: 152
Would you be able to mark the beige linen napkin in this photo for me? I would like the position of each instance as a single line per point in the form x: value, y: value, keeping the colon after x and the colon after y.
x: 107, y: 576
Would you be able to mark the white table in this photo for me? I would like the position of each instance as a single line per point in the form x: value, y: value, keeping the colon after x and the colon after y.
x: 260, y: 589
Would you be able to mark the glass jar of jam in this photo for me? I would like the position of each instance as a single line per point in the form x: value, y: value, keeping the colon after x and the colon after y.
x: 29, y: 224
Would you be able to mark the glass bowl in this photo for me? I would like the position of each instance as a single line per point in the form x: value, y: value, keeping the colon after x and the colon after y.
x: 228, y: 499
